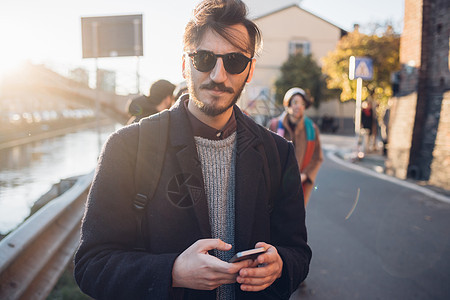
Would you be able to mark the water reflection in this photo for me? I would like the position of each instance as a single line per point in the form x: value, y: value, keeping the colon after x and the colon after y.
x: 28, y: 171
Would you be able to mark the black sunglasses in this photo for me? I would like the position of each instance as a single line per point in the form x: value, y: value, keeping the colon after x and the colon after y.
x: 234, y: 63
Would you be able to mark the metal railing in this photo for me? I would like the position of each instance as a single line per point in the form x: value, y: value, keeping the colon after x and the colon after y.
x: 33, y: 257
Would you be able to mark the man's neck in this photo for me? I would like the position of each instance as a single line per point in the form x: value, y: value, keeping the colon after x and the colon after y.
x: 217, y: 122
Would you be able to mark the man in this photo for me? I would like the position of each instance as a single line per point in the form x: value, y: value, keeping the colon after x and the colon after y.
x: 160, y: 98
x: 367, y: 132
x: 215, y: 195
x: 298, y: 128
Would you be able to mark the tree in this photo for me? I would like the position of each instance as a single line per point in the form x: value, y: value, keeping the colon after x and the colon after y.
x: 301, y: 71
x: 382, y: 48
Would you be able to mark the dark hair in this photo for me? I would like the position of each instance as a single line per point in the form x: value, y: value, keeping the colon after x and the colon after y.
x: 159, y: 90
x: 219, y: 15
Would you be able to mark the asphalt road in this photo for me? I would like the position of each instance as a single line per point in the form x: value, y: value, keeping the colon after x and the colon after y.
x: 374, y: 239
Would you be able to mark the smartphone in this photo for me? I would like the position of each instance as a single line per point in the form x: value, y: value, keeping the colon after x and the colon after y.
x: 247, y: 254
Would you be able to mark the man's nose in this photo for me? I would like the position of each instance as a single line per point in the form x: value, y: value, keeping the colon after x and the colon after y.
x: 218, y: 73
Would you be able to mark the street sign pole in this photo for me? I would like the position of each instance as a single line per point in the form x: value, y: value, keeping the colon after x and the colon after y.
x: 97, y: 86
x: 112, y: 36
x: 137, y: 24
x: 138, y: 83
x: 358, y: 106
x: 359, y: 68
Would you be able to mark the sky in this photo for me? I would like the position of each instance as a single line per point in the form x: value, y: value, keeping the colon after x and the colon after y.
x: 49, y: 32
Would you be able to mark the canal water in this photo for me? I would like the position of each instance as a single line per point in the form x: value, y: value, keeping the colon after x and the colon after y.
x: 29, y: 171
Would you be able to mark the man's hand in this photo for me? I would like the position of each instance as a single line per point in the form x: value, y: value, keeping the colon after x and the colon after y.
x: 263, y: 271
x: 196, y: 269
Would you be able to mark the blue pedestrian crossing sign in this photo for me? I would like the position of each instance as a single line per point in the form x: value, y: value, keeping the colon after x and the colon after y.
x: 360, y: 67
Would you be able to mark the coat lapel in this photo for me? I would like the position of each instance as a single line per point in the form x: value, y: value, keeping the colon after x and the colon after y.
x: 181, y: 139
x: 249, y: 169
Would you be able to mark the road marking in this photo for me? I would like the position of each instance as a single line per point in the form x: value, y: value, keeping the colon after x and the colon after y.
x: 354, y: 205
x: 332, y: 155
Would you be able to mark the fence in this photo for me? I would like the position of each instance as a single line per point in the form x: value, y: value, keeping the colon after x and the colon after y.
x: 33, y: 257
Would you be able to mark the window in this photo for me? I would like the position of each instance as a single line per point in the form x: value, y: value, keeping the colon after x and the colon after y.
x: 299, y: 46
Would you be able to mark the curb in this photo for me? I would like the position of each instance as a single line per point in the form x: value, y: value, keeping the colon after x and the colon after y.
x: 331, y: 154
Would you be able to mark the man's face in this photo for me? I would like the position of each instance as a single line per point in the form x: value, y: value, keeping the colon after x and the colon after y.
x: 297, y: 107
x: 216, y: 91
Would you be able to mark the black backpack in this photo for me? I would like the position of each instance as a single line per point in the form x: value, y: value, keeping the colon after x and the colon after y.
x: 152, y: 144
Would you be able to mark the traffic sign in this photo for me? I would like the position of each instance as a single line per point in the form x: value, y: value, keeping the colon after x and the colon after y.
x: 360, y: 67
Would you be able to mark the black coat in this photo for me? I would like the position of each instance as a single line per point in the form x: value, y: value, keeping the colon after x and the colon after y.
x: 107, y: 267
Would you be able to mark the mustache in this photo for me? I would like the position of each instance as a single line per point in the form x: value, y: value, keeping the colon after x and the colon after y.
x: 219, y: 86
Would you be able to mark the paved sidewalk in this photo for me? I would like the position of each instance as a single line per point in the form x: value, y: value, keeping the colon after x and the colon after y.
x: 344, y: 148
x: 374, y: 236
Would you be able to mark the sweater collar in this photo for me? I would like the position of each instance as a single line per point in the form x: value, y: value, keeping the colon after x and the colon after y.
x: 202, y: 130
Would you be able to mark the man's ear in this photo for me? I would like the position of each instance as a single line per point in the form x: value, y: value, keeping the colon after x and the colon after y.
x: 169, y: 101
x: 183, y: 66
x: 252, y: 69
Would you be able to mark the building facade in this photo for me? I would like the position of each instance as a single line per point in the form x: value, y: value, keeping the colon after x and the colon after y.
x: 287, y: 31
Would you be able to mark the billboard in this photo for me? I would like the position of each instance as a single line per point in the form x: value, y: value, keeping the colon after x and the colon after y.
x: 112, y: 36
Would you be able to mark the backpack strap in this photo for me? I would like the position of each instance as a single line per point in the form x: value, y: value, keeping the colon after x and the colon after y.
x: 280, y: 127
x: 152, y: 144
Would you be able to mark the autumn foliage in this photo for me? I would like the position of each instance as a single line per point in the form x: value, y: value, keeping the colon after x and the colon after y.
x: 384, y: 51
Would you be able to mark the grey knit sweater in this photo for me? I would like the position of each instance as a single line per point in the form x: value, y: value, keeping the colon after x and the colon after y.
x: 218, y: 159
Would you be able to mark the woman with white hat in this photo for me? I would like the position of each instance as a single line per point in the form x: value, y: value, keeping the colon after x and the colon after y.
x: 301, y: 130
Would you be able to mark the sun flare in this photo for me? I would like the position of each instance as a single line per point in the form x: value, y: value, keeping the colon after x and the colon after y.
x: 20, y: 43
x: 9, y: 64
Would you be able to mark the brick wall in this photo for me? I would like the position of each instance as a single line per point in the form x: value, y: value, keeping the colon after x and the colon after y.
x: 410, y: 46
x: 440, y: 167
x: 419, y: 136
x: 403, y: 111
x: 439, y: 31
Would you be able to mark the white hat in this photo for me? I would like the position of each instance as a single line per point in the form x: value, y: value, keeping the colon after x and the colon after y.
x: 295, y: 91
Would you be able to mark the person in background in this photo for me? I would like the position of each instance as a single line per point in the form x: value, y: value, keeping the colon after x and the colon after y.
x: 160, y: 98
x: 368, y: 129
x: 226, y: 185
x: 295, y: 126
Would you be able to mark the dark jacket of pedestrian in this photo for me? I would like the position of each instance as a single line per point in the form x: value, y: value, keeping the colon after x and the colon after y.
x: 108, y: 267
x: 144, y: 106
x: 140, y: 107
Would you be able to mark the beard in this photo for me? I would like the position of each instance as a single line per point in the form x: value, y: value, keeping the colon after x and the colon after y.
x: 210, y: 109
